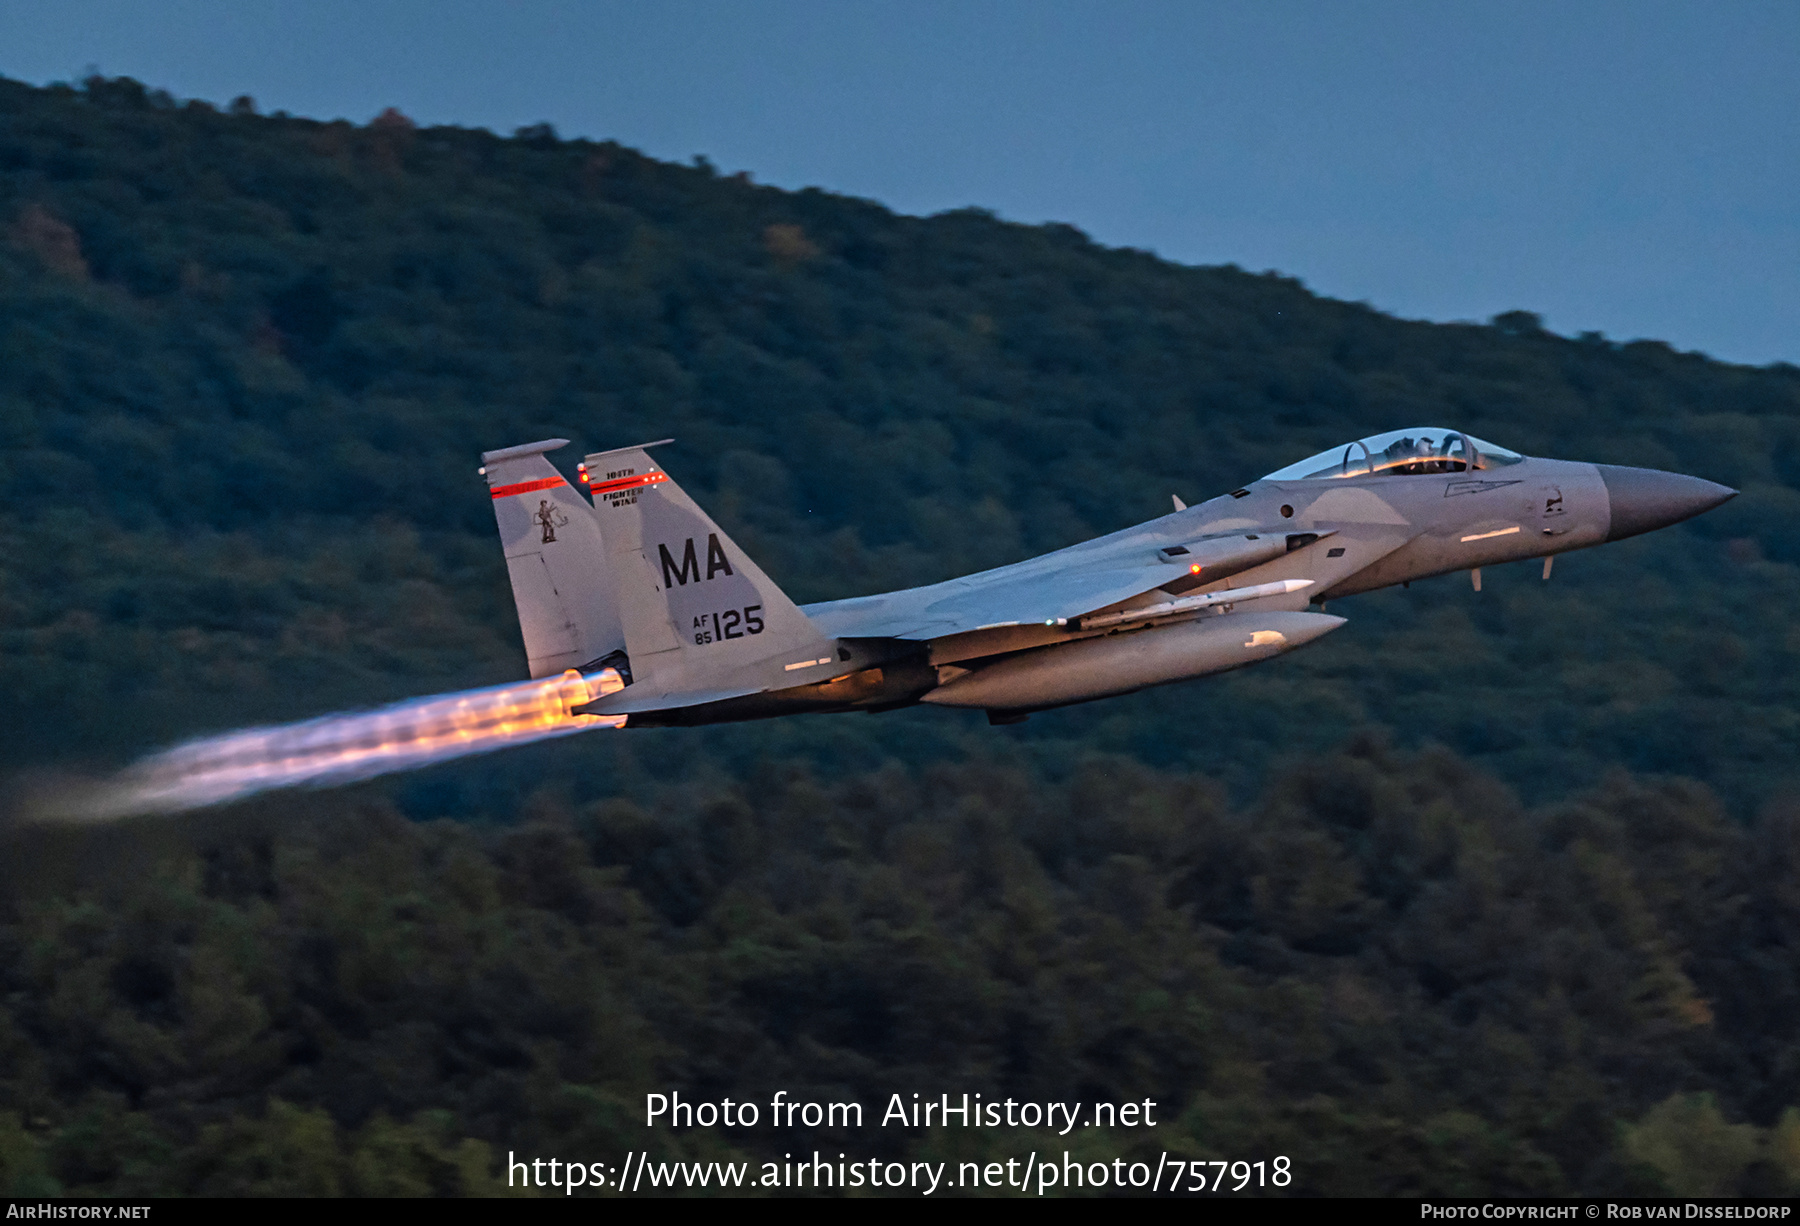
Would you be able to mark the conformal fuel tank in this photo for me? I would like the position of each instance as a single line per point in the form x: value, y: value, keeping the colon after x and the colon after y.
x: 1120, y: 663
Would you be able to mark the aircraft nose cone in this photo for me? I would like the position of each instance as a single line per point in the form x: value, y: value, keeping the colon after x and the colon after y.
x: 1645, y: 499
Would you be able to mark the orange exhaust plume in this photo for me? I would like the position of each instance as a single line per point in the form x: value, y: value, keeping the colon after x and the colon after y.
x: 338, y: 749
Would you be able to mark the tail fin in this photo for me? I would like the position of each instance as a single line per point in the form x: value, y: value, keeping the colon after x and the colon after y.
x: 699, y: 617
x: 556, y: 561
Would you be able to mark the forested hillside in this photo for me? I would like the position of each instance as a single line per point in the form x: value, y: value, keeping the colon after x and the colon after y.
x: 1531, y: 929
x: 247, y: 364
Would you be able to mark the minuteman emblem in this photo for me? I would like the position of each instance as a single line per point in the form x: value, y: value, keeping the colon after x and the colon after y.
x: 551, y: 518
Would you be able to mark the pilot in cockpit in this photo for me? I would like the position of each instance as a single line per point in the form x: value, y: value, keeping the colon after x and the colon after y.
x: 1400, y: 453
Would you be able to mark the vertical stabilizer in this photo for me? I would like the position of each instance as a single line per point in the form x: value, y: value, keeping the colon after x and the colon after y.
x: 698, y: 615
x: 555, y: 559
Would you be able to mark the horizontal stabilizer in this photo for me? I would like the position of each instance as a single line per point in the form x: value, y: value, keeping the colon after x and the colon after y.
x: 635, y: 700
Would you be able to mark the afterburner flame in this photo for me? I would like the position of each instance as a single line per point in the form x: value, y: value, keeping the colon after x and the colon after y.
x: 341, y: 748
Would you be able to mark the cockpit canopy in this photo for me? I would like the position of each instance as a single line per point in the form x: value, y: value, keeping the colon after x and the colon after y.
x: 1400, y: 453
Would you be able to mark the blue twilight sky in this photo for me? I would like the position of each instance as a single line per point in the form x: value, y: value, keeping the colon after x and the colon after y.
x: 1632, y: 168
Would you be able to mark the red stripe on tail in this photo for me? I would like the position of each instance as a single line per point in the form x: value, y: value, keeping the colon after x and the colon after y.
x: 626, y: 483
x: 525, y: 487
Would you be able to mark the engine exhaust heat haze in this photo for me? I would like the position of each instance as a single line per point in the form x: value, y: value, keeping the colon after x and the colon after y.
x: 336, y: 749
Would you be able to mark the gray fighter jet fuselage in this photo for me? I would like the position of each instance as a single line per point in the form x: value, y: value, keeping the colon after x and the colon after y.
x: 644, y: 595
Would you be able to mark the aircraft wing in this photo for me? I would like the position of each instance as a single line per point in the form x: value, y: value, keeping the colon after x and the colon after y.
x: 951, y: 608
x: 1063, y: 584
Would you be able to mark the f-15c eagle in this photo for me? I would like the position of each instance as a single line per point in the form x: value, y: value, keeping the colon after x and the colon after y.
x: 654, y: 609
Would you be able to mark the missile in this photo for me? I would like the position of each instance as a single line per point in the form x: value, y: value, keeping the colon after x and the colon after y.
x: 1191, y: 604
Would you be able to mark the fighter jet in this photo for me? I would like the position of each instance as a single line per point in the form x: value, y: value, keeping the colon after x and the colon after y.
x: 635, y: 592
